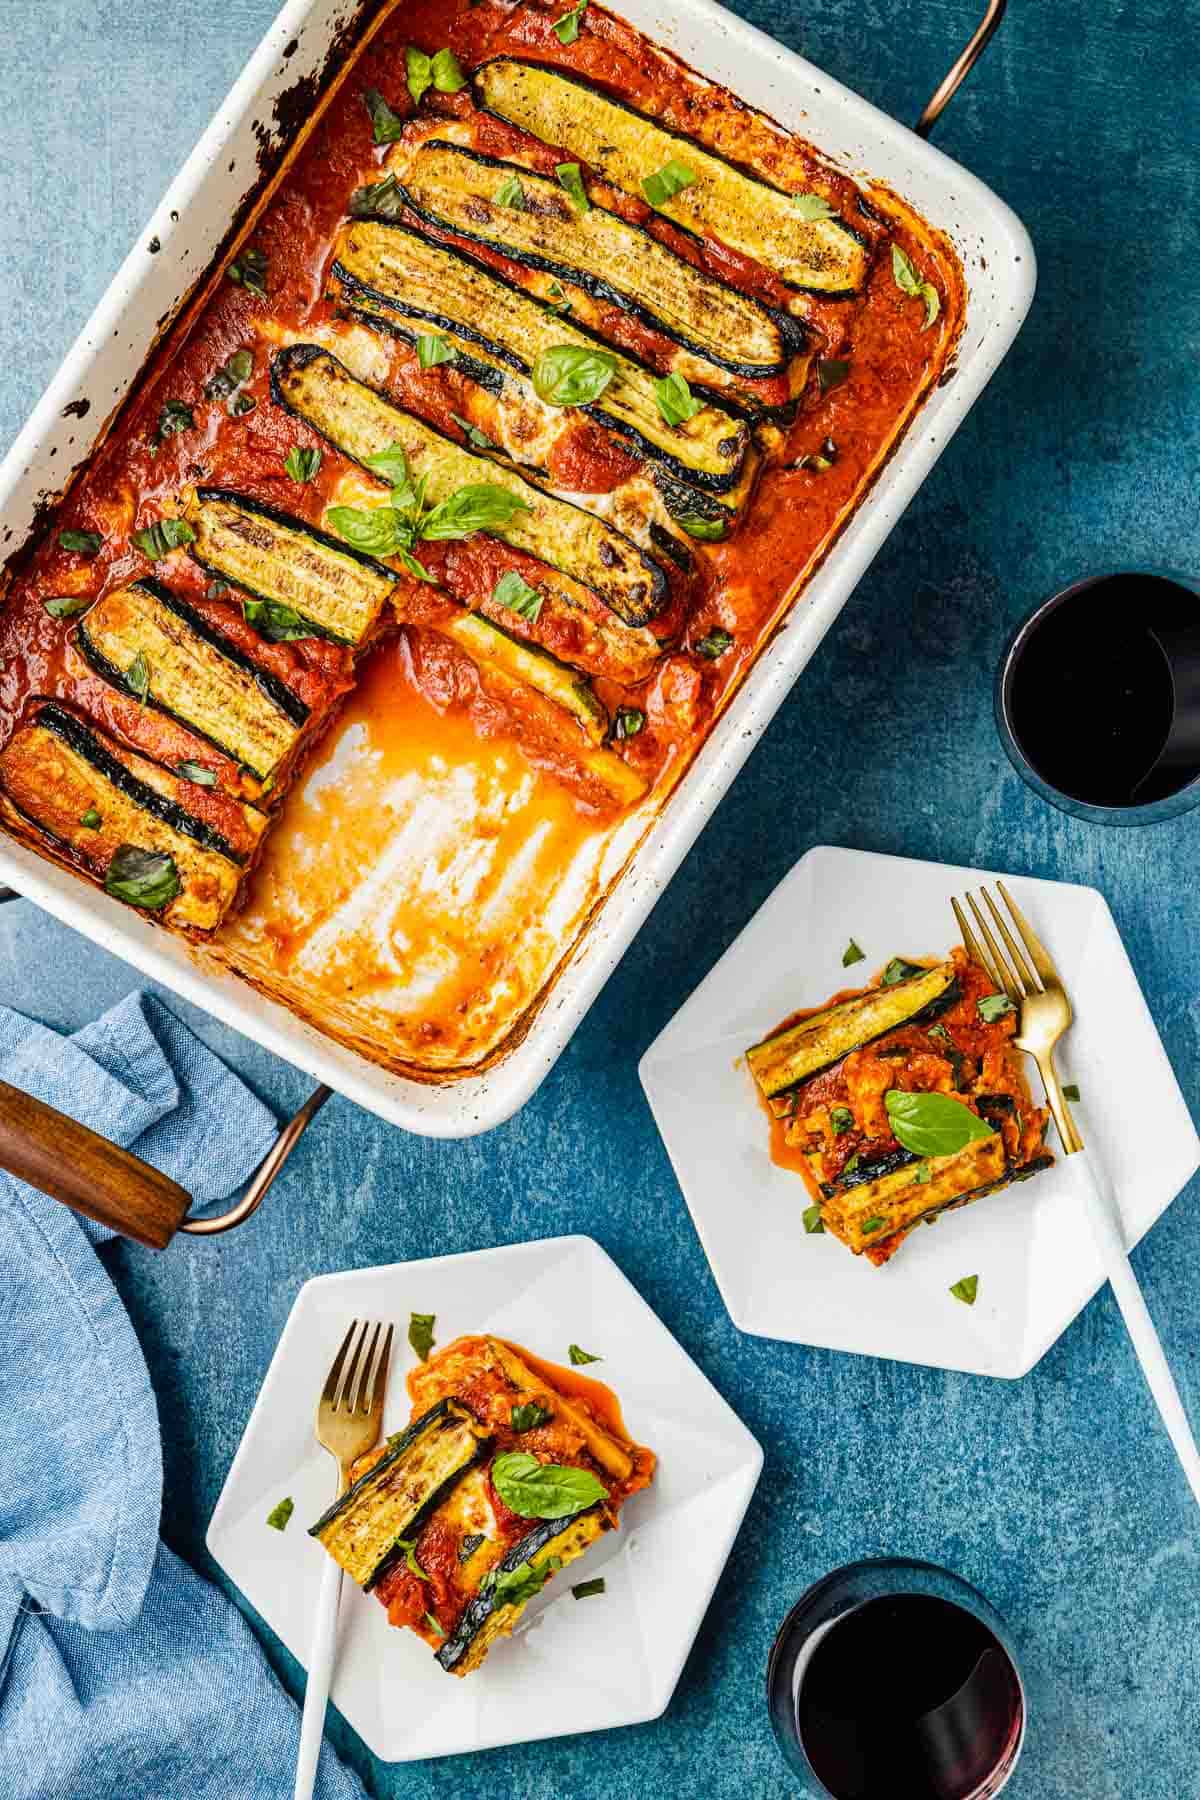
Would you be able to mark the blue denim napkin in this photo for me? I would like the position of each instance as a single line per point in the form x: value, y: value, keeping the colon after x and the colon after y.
x: 122, y: 1673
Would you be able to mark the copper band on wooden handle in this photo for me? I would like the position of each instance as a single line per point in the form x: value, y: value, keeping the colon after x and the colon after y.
x: 70, y: 1163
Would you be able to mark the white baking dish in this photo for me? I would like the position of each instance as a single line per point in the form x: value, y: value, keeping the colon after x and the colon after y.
x: 175, y: 250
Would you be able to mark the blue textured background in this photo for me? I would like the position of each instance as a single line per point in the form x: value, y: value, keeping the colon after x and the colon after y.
x: 1058, y: 1495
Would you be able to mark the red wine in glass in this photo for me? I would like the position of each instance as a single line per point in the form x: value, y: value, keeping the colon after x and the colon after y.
x: 893, y: 1679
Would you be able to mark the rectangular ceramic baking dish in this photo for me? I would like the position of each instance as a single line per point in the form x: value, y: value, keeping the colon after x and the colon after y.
x: 219, y: 183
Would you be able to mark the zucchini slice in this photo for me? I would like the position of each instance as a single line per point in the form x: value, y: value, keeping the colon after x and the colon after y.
x: 335, y: 589
x: 194, y: 673
x: 360, y: 422
x: 897, y: 1200
x: 818, y: 256
x: 381, y: 264
x: 454, y: 187
x: 58, y: 771
x: 362, y: 1529
x: 486, y: 643
x: 551, y: 1545
x: 800, y: 1050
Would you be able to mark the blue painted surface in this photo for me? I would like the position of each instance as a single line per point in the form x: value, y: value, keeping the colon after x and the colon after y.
x: 1058, y: 1495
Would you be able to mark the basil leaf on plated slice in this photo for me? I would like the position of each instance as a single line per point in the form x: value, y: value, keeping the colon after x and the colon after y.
x: 933, y: 1124
x: 510, y: 193
x: 966, y: 1289
x: 91, y: 820
x: 165, y: 535
x: 668, y: 181
x: 909, y: 282
x: 386, y: 126
x: 628, y: 722
x: 513, y: 1587
x: 566, y: 29
x: 1070, y: 1091
x: 572, y: 375
x: 419, y: 70
x: 409, y: 1547
x: 539, y: 1490
x: 478, y: 440
x: 842, y: 1119
x: 279, y: 1515
x: 870, y: 1225
x: 137, y: 677
x: 578, y: 1357
x: 144, y: 878
x: 676, y: 402
x: 435, y: 1624
x: 570, y: 178
x: 924, y: 1174
x: 515, y: 593
x: 813, y: 1222
x: 698, y: 525
x: 278, y: 623
x: 84, y: 543
x: 852, y: 954
x: 991, y: 1007
x: 831, y: 372
x: 433, y: 348
x: 812, y: 206
x: 899, y: 970
x: 197, y: 773
x: 530, y: 1416
x: 480, y: 506
x: 558, y: 302
x: 583, y: 1590
x: 420, y: 1333
x: 66, y: 606
x: 714, y: 643
x: 448, y: 77
x: 302, y: 465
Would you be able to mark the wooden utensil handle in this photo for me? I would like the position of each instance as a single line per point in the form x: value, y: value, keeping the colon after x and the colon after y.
x: 64, y: 1159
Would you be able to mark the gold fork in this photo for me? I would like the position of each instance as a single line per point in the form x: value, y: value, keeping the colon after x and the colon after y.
x: 1024, y: 971
x: 349, y: 1417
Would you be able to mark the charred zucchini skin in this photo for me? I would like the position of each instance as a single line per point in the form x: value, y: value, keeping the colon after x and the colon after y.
x: 535, y: 1547
x: 78, y: 738
x: 790, y: 332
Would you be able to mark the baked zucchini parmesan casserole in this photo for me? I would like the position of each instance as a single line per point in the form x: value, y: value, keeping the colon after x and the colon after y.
x: 414, y: 571
x: 900, y: 1101
x: 509, y: 1471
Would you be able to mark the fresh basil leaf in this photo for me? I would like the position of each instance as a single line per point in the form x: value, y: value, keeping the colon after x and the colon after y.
x: 197, y: 773
x: 1070, y: 1091
x: 899, y: 970
x: 676, y: 402
x: 302, y: 465
x: 386, y: 126
x: 849, y: 1166
x: 842, y: 1119
x: 629, y: 721
x: 249, y: 270
x: 668, y: 181
x: 377, y: 530
x: 392, y: 465
x: 420, y: 1333
x: 991, y: 1007
x: 165, y: 535
x: 279, y: 1515
x: 448, y: 77
x: 137, y: 677
x: 513, y: 1587
x: 414, y: 567
x: 470, y: 1545
x: 432, y: 349
x: 510, y: 193
x: 435, y: 1625
x: 570, y: 178
x: 530, y: 1416
x: 479, y: 440
x: 175, y: 416
x: 278, y: 623
x: 409, y: 1547
x: 515, y: 593
x: 381, y: 200
x: 419, y: 69
x: 66, y: 606
x: 933, y: 1124
x: 924, y: 1174
x: 566, y: 29
x: 91, y: 820
x: 869, y: 1225
x: 714, y: 643
x: 909, y: 282
x: 572, y: 375
x: 812, y: 206
x: 538, y: 1490
x: 578, y: 1357
x: 144, y: 878
x: 230, y: 375
x: 831, y: 372
x: 966, y: 1289
x: 813, y: 1221
x: 852, y: 954
x: 480, y: 506
x: 84, y: 543
x: 583, y: 1590
x: 698, y: 526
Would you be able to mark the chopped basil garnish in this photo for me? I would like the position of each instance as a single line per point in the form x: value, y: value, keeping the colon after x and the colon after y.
x: 583, y: 1590
x: 849, y: 1166
x: 84, y: 543
x: 628, y: 722
x: 249, y: 270
x: 852, y: 954
x: 869, y: 1225
x: 479, y: 440
x: 539, y: 1490
x: 510, y: 193
x: 409, y: 1547
x: 434, y: 1625
x: 383, y: 199
x: 197, y: 773
x: 420, y: 1333
x: 676, y: 402
x: 1070, y: 1091
x: 515, y: 593
x: 578, y: 1357
x: 513, y: 1587
x: 924, y: 1174
x: 570, y: 178
x: 714, y: 643
x: 66, y: 606
x: 813, y: 1221
x: 165, y: 535
x: 940, y: 1032
x: 698, y: 526
x: 175, y: 416
x: 572, y: 375
x: 137, y: 676
x: 302, y: 465
x: 530, y: 1416
x: 933, y: 1124
x: 966, y: 1289
x: 279, y: 1515
x: 230, y: 376
x: 831, y: 372
x: 448, y: 77
x: 419, y: 69
x: 278, y: 623
x: 812, y: 206
x: 144, y: 878
x: 432, y: 349
x: 909, y: 282
x: 821, y: 460
x: 386, y: 126
x: 469, y: 1546
x: 899, y: 970
x: 559, y: 304
x: 841, y: 1118
x: 668, y: 181
x: 91, y: 820
x: 566, y: 29
x: 993, y: 1006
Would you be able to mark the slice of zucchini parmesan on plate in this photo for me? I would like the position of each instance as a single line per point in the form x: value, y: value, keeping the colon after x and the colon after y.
x: 336, y: 591
x: 192, y: 672
x: 866, y: 1214
x: 169, y: 846
x: 531, y: 219
x: 813, y: 253
x: 799, y: 1049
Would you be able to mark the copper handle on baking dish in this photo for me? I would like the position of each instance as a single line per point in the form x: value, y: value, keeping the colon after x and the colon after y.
x: 954, y: 79
x: 66, y: 1160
